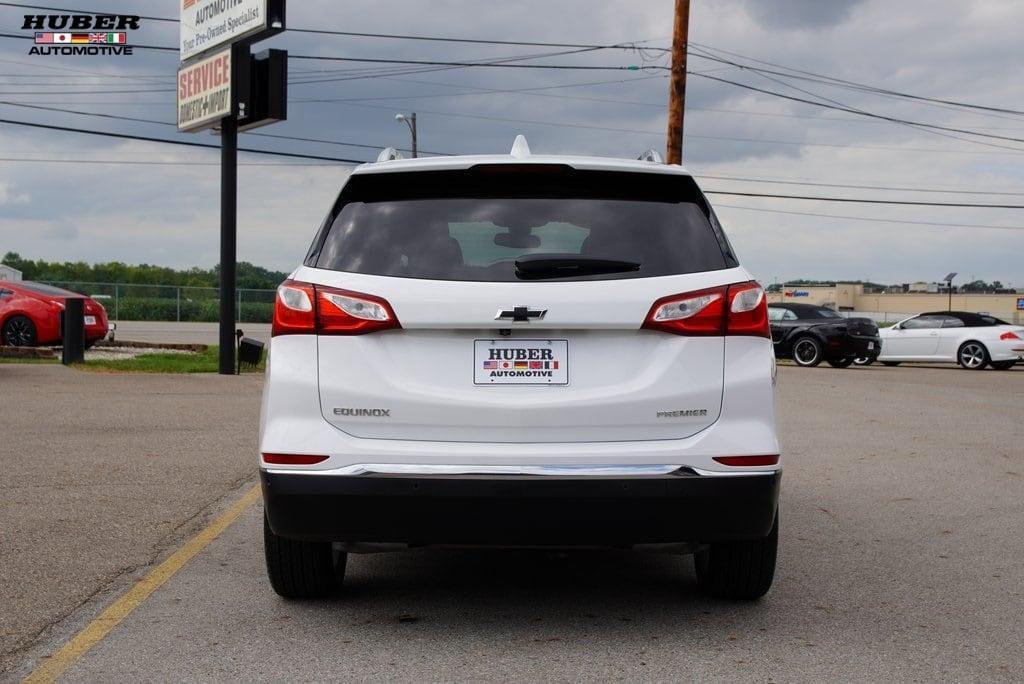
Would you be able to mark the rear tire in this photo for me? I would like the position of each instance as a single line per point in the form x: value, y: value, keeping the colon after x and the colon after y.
x: 739, y: 570
x: 1002, y: 365
x: 841, y: 363
x: 302, y: 569
x: 972, y: 355
x: 806, y: 352
x: 19, y: 331
x: 891, y: 364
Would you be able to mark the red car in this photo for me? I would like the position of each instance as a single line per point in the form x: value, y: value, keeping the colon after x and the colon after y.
x: 30, y: 315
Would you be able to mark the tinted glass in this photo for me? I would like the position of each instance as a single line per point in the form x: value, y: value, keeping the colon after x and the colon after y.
x: 952, y: 322
x: 473, y: 226
x: 922, y: 322
x: 826, y: 313
x: 775, y: 314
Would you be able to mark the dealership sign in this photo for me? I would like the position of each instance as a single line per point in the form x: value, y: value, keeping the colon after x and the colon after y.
x: 207, y: 24
x: 204, y: 91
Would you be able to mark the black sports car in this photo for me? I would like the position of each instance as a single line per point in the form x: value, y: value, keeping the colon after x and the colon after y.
x: 810, y: 334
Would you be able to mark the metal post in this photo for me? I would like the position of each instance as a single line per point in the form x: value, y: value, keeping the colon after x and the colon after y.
x: 228, y: 240
x: 117, y: 302
x: 677, y: 88
x: 414, y: 154
x: 238, y: 316
x: 178, y: 291
x: 74, y: 331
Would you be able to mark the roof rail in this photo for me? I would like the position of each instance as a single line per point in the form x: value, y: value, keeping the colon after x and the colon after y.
x: 520, y: 148
x: 389, y: 154
x: 650, y: 156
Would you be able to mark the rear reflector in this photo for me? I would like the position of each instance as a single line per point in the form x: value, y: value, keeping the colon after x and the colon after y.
x: 293, y: 459
x: 748, y: 460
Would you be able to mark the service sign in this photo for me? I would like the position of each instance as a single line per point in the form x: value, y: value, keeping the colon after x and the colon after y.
x: 204, y: 92
x: 206, y: 24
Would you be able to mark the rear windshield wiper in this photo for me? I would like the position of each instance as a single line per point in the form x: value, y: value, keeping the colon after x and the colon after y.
x: 539, y: 266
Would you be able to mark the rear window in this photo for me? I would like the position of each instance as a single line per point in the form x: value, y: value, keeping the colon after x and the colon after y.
x: 472, y: 225
x: 40, y: 288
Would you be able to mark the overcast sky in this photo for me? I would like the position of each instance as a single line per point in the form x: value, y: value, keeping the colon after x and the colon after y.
x: 168, y: 214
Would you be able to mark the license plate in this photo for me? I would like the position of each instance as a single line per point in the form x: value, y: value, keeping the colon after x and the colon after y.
x: 871, y: 345
x: 521, y: 362
x: 90, y: 320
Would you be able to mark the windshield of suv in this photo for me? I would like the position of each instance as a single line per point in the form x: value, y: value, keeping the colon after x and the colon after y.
x: 480, y: 236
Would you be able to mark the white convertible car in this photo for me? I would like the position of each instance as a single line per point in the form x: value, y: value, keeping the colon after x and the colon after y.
x: 972, y: 340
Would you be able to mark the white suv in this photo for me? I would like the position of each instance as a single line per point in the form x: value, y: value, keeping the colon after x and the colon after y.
x: 520, y: 350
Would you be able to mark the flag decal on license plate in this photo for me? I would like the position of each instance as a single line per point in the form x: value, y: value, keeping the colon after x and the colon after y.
x: 520, y: 362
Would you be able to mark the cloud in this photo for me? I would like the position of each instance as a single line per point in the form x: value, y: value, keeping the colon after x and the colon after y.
x: 169, y: 214
x: 800, y: 14
x: 8, y: 195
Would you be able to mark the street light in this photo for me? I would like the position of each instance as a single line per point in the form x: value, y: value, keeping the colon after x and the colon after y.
x: 409, y: 121
x: 949, y: 289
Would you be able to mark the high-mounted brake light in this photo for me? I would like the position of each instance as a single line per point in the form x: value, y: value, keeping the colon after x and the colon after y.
x: 293, y: 459
x: 1009, y: 336
x: 748, y: 461
x: 303, y: 308
x: 738, y: 309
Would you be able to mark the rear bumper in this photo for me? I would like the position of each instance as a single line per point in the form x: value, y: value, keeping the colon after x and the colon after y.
x: 520, y: 510
x: 860, y: 346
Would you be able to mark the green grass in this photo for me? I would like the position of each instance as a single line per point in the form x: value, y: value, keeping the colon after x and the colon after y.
x: 204, y: 362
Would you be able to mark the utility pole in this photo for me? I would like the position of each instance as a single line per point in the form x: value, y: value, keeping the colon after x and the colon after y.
x: 677, y: 87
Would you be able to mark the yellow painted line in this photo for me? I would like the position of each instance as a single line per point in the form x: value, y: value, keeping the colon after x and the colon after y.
x: 57, y: 664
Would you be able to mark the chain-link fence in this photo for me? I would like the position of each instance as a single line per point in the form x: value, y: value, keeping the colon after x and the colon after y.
x: 138, y: 302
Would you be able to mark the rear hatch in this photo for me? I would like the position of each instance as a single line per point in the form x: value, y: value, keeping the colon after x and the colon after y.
x: 519, y: 300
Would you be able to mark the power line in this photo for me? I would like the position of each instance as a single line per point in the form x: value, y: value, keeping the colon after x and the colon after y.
x: 824, y: 78
x: 148, y: 162
x: 859, y: 187
x: 127, y: 136
x: 633, y: 45
x: 117, y: 117
x: 851, y: 110
x: 857, y: 200
x: 870, y: 219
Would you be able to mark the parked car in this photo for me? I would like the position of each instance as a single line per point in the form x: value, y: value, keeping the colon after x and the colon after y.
x: 810, y: 334
x: 972, y: 340
x: 512, y: 350
x: 30, y: 314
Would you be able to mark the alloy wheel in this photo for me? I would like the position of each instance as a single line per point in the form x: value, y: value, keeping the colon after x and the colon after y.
x: 805, y: 352
x: 18, y: 332
x: 972, y: 355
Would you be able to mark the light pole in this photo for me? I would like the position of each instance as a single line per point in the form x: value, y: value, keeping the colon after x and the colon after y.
x: 949, y: 288
x: 409, y: 121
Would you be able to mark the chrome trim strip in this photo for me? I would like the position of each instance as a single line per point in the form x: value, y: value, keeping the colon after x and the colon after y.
x: 359, y: 469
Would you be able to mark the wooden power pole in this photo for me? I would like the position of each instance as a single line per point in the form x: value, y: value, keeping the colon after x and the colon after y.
x: 677, y: 88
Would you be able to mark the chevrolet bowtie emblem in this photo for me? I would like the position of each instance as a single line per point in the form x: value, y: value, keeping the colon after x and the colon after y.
x: 520, y: 314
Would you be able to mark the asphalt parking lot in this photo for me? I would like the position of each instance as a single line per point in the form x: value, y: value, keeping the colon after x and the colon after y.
x: 901, y: 538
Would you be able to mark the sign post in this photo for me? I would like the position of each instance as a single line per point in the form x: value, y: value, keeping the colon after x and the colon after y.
x: 217, y: 86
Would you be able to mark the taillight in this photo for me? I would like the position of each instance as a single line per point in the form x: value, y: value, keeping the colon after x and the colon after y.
x: 303, y: 308
x: 293, y: 459
x: 748, y: 461
x: 738, y: 309
x: 293, y: 309
x: 340, y: 312
x: 1009, y: 336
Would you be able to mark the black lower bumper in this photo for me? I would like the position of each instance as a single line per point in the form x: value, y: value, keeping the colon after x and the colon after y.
x: 529, y: 510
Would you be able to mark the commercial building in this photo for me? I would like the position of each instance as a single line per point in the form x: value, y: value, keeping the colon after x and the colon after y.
x: 9, y: 273
x: 851, y: 297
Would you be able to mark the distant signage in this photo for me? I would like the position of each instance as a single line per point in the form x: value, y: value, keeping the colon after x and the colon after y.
x: 1020, y: 303
x: 797, y: 293
x: 204, y: 92
x: 207, y: 24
